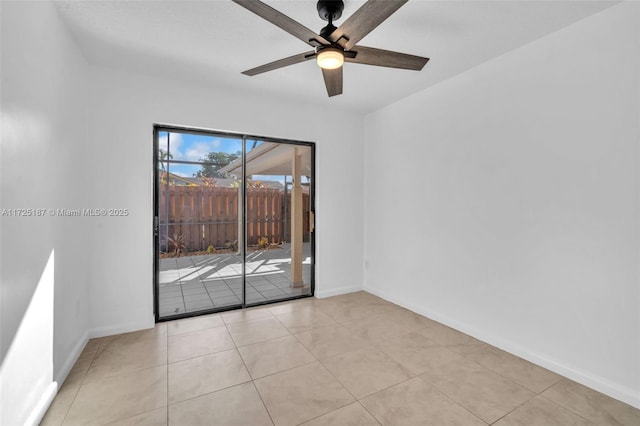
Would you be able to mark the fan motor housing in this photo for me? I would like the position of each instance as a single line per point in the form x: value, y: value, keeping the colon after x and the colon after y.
x: 330, y: 10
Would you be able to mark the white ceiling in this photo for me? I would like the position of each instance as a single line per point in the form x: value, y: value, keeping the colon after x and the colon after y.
x: 212, y: 41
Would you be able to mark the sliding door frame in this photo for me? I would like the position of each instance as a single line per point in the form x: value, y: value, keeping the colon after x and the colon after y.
x: 160, y: 127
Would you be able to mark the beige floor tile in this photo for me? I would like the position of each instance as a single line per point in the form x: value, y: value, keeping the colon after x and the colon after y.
x: 592, y: 405
x: 366, y: 371
x: 351, y: 415
x: 483, y: 392
x: 291, y: 306
x: 341, y: 298
x: 345, y: 312
x: 375, y: 329
x: 100, y: 343
x: 542, y: 412
x: 370, y: 348
x: 417, y: 353
x: 250, y: 314
x: 324, y: 342
x: 236, y: 406
x: 197, y: 376
x: 198, y: 343
x: 193, y: 324
x: 305, y: 319
x: 275, y: 355
x: 356, y: 296
x: 522, y: 372
x: 448, y: 336
x: 60, y: 406
x: 466, y: 349
x: 301, y: 394
x: 408, y: 320
x: 417, y: 402
x: 369, y: 299
x: 91, y: 347
x: 119, y: 397
x: 382, y: 308
x: 79, y: 370
x: 121, y: 356
x: 260, y: 330
x: 157, y: 417
x: 157, y: 333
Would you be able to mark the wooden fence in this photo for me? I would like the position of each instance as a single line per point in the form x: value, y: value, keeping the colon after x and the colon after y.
x: 206, y: 215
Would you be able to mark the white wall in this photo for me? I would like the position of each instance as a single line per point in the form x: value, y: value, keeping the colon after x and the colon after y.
x: 75, y: 137
x: 504, y: 202
x: 123, y: 109
x: 44, y: 267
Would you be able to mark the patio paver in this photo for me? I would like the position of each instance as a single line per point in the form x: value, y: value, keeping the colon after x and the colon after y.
x: 204, y: 282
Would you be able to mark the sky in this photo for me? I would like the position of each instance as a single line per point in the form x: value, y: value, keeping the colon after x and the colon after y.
x: 188, y: 147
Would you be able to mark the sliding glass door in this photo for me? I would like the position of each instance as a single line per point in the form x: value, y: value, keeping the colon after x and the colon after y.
x: 234, y: 221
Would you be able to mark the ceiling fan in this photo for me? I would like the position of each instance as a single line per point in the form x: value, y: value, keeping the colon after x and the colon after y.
x: 333, y: 46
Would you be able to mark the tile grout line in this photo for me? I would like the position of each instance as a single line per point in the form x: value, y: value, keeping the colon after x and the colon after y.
x: 320, y: 361
x: 399, y: 383
x: 253, y: 383
x: 370, y: 413
x: 73, y: 400
x: 204, y: 286
x: 556, y: 403
x: 177, y: 269
x: 184, y: 302
x: 252, y: 380
x: 504, y: 377
x: 511, y: 411
x: 450, y: 398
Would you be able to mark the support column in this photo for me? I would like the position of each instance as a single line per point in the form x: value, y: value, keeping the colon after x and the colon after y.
x: 240, y: 221
x: 296, y: 220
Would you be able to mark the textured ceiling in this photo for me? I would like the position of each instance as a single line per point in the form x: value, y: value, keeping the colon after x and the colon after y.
x: 211, y: 42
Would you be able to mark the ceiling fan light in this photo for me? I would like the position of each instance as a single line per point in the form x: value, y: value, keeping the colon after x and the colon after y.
x: 330, y: 58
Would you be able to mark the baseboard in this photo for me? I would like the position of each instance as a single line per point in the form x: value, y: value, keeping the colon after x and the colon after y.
x: 45, y: 401
x: 321, y: 294
x: 41, y: 408
x: 72, y: 359
x: 50, y: 393
x: 600, y: 384
x: 121, y: 328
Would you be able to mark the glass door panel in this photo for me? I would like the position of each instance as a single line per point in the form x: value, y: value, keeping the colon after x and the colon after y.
x: 199, y: 263
x: 278, y: 236
x: 225, y: 241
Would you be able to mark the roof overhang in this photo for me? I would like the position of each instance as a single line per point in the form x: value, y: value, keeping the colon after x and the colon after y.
x: 273, y: 159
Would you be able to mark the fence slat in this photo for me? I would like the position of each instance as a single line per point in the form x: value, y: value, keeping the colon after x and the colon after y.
x: 208, y: 215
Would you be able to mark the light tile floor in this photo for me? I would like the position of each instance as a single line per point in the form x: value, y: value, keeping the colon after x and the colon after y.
x: 347, y: 360
x: 205, y: 282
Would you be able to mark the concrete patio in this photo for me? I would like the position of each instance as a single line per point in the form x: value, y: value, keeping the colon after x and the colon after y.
x: 197, y: 283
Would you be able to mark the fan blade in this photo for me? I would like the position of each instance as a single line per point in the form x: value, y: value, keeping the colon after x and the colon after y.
x: 281, y: 20
x: 386, y: 58
x: 333, y: 81
x: 280, y: 63
x: 363, y: 21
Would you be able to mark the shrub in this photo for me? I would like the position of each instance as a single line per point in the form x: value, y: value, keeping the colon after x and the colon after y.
x: 178, y: 244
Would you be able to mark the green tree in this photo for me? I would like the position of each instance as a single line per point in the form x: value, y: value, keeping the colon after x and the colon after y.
x: 214, y: 162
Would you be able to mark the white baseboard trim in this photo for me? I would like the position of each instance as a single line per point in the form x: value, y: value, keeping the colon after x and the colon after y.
x: 41, y: 408
x: 600, y: 384
x: 72, y: 359
x: 48, y: 396
x: 321, y: 294
x: 121, y: 328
